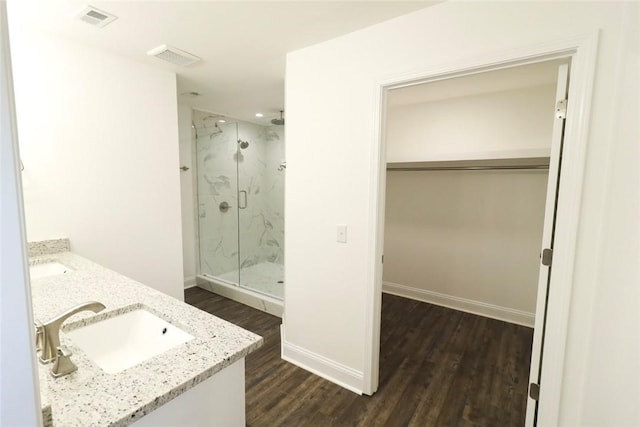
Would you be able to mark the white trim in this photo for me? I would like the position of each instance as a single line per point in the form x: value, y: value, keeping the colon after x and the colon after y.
x: 582, y: 49
x: 371, y: 368
x: 328, y: 369
x: 190, y: 282
x: 493, y: 311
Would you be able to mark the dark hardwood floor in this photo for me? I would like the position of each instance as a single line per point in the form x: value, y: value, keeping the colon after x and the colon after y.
x: 438, y: 367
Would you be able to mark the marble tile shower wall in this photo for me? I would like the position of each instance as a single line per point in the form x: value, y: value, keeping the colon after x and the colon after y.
x: 247, y: 236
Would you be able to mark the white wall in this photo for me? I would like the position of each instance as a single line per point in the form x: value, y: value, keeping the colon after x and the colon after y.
x: 187, y: 195
x: 330, y: 91
x: 611, y: 387
x: 99, y: 142
x: 515, y: 120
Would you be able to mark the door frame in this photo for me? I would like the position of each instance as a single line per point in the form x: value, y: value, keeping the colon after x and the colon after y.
x: 582, y: 50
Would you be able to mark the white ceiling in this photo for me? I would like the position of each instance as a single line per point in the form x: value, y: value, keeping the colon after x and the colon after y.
x: 531, y: 75
x: 242, y: 44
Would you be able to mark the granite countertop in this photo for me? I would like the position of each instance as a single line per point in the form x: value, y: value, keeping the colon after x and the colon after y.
x: 93, y: 397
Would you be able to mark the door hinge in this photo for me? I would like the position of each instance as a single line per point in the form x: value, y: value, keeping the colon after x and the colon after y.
x: 547, y: 256
x: 534, y: 391
x: 561, y: 109
x: 383, y: 259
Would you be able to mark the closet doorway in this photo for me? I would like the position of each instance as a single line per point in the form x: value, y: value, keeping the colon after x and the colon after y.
x: 473, y: 164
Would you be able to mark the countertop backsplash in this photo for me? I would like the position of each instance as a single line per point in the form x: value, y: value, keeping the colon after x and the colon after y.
x: 46, y: 247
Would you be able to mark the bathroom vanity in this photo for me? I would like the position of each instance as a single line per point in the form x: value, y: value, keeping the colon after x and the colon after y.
x: 197, y: 381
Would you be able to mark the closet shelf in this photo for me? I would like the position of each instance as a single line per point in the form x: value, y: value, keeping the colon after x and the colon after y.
x: 514, y: 163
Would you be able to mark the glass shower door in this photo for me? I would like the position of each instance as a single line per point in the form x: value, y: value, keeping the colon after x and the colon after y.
x: 261, y: 208
x: 216, y: 154
x: 241, y: 203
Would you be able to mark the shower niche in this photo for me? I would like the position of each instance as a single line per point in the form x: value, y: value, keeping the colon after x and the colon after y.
x: 240, y: 190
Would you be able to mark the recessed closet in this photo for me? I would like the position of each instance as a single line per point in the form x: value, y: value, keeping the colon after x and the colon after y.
x: 467, y: 169
x: 467, y: 211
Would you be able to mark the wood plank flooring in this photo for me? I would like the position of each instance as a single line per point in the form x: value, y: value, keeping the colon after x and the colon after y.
x: 438, y: 367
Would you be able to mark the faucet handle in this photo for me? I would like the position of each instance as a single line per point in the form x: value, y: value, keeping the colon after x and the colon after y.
x: 51, y: 337
x: 63, y: 364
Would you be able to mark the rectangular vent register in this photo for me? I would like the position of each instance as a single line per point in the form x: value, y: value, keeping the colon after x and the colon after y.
x: 173, y: 55
x: 96, y: 17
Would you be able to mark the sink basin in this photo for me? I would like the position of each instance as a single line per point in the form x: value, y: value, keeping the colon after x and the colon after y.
x: 123, y: 341
x: 47, y: 269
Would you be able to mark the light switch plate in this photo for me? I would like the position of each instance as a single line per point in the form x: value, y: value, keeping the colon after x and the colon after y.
x: 341, y: 235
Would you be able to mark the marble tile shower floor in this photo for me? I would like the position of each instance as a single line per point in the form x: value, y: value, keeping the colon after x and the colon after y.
x: 266, y: 278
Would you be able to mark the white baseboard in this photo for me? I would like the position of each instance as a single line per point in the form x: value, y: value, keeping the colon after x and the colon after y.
x: 505, y: 314
x: 190, y: 282
x: 328, y: 369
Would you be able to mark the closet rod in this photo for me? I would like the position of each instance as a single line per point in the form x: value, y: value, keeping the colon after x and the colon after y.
x: 474, y: 168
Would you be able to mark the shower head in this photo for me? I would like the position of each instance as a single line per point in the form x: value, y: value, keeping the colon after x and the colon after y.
x: 280, y: 121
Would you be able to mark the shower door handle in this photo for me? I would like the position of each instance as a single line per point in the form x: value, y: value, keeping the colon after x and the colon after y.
x: 244, y: 204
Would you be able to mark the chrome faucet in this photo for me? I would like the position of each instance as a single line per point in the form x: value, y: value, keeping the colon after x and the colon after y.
x: 48, y: 333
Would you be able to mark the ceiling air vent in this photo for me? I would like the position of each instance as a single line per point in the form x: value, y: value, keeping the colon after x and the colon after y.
x: 96, y: 17
x: 173, y: 55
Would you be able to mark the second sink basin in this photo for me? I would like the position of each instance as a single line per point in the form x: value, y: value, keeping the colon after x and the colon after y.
x: 53, y: 268
x: 123, y: 341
